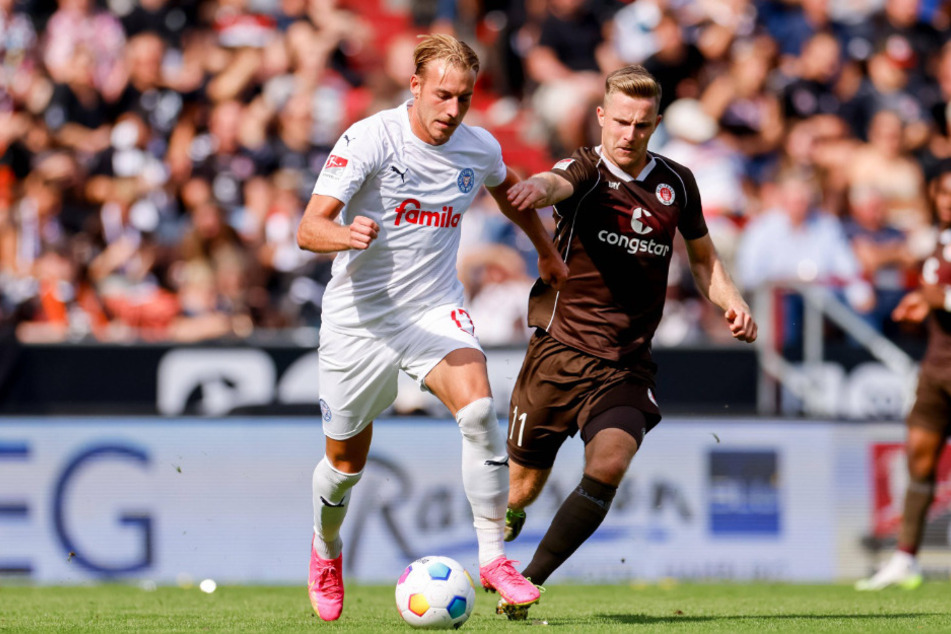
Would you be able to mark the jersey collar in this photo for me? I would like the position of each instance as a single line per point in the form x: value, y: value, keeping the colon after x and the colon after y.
x: 617, y: 171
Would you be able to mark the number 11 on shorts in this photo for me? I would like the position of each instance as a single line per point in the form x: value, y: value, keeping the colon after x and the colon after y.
x: 520, y: 421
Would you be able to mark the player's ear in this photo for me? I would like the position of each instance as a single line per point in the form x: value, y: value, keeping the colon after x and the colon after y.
x: 600, y: 116
x: 415, y: 85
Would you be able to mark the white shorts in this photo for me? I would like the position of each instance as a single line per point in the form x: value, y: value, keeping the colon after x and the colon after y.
x: 358, y: 374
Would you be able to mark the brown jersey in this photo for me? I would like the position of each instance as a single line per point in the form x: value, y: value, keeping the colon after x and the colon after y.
x: 616, y: 234
x: 937, y: 270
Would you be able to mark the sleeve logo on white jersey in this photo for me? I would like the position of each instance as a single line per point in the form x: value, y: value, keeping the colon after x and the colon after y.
x: 466, y: 180
x: 335, y: 166
x: 563, y: 164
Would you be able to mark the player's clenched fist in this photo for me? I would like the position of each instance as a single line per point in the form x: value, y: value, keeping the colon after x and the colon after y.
x: 363, y: 231
x: 741, y: 324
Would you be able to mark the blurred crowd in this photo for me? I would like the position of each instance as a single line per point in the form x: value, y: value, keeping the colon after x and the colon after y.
x: 156, y: 155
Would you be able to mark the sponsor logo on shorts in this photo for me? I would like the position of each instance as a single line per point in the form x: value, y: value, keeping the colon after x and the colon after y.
x: 325, y: 412
x: 466, y: 180
x: 563, y: 164
x: 665, y: 194
x: 463, y: 321
x: 409, y: 211
x: 634, y: 245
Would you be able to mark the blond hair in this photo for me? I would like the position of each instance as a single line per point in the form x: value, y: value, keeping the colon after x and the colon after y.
x: 445, y: 47
x: 633, y: 81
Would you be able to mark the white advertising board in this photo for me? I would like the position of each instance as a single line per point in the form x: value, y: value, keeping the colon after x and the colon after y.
x: 158, y: 499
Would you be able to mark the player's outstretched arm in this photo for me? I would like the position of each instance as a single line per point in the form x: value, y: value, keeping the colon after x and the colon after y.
x: 319, y: 232
x: 714, y: 282
x: 541, y: 190
x: 551, y: 267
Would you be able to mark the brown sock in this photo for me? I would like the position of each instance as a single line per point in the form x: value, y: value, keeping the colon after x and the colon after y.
x: 579, y: 516
x: 918, y: 498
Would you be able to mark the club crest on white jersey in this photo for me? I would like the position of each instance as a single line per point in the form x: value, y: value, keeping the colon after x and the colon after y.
x: 466, y: 180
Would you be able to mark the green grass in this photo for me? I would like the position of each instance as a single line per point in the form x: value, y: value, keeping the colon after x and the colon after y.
x: 618, y: 608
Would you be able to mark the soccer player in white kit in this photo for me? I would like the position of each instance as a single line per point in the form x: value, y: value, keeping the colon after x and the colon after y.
x: 389, y: 200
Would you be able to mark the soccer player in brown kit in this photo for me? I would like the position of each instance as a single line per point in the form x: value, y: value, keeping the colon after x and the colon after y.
x: 929, y: 421
x: 588, y: 367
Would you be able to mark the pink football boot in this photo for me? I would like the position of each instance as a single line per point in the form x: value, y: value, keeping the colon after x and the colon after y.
x: 500, y: 575
x: 325, y: 585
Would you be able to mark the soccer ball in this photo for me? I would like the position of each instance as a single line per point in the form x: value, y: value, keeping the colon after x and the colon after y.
x: 435, y: 593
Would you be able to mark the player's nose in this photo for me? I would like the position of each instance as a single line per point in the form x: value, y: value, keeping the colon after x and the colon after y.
x: 452, y: 108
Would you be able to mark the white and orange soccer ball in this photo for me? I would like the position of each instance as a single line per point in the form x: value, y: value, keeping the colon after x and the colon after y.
x: 435, y: 593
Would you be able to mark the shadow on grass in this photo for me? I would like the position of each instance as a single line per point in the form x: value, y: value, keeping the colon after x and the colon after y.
x: 643, y: 619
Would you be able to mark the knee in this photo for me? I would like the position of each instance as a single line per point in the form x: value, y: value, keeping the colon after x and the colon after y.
x: 477, y: 418
x: 347, y: 459
x: 922, y: 460
x: 609, y: 470
x: 921, y: 465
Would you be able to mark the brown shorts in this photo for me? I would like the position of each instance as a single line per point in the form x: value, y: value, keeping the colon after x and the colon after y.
x: 559, y: 390
x: 932, y: 408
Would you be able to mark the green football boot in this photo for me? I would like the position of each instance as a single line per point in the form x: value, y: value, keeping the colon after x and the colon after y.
x: 514, y: 520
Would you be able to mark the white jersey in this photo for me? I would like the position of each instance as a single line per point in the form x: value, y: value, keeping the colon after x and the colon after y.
x: 417, y: 194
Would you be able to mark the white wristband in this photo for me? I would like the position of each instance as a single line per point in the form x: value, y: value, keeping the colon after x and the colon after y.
x: 947, y: 298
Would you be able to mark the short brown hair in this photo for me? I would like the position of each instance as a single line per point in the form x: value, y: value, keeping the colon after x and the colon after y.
x: 633, y: 81
x: 440, y: 46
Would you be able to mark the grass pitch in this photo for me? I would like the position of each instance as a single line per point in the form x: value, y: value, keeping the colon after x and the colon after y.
x: 564, y: 608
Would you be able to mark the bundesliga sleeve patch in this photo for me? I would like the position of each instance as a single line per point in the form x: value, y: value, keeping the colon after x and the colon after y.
x: 563, y: 164
x: 334, y: 166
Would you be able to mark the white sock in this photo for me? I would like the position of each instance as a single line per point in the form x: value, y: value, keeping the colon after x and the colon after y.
x: 484, y: 475
x: 330, y: 506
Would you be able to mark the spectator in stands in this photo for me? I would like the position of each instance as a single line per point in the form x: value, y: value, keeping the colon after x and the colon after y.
x: 720, y: 25
x: 145, y: 91
x: 497, y: 286
x: 938, y: 146
x: 889, y: 86
x: 203, y: 313
x: 884, y: 164
x: 18, y: 54
x: 794, y: 24
x: 813, y: 89
x: 881, y: 250
x: 167, y: 20
x: 900, y: 28
x: 749, y: 114
x: 631, y: 33
x: 718, y: 167
x: 66, y: 306
x: 76, y: 114
x: 676, y: 64
x: 797, y: 243
x: 77, y: 27
x: 567, y: 64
